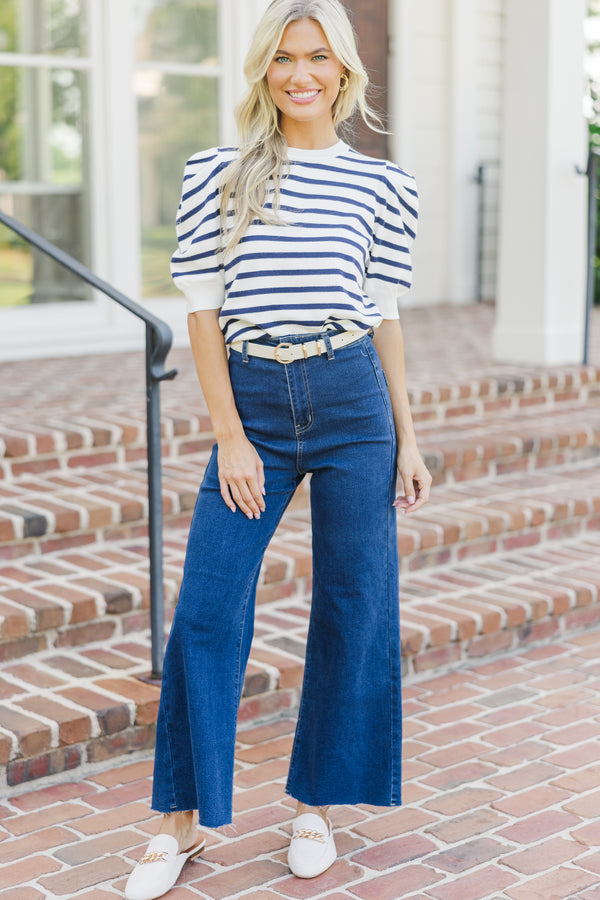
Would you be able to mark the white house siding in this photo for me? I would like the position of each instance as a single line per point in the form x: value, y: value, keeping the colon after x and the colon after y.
x: 446, y: 103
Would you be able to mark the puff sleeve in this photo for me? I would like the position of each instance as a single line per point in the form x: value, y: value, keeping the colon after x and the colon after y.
x: 389, y: 270
x: 196, y: 266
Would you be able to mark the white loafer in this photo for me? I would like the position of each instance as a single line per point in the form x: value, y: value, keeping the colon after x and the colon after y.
x: 159, y: 868
x: 312, y: 848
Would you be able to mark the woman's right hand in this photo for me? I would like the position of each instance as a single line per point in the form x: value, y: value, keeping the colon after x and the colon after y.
x: 241, y: 476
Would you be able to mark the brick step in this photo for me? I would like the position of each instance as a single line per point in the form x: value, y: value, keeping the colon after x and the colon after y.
x: 77, y: 443
x: 36, y: 440
x: 69, y: 705
x: 91, y: 590
x: 53, y: 511
x: 45, y: 511
x: 498, y: 390
x: 494, y: 445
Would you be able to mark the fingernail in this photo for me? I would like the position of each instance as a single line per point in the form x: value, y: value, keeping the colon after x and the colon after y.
x: 410, y: 500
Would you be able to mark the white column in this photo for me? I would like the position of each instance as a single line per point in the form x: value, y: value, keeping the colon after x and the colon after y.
x: 464, y: 151
x: 238, y: 22
x: 541, y: 290
x: 115, y: 152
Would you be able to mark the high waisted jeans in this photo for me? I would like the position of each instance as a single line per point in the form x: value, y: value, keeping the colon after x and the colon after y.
x: 329, y: 415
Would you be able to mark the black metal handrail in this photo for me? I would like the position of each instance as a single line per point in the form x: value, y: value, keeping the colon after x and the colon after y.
x: 481, y: 186
x: 159, y: 339
x: 592, y: 175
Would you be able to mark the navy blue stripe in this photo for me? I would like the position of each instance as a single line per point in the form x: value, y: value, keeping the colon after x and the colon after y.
x: 343, y: 186
x: 402, y: 229
x: 310, y: 289
x: 200, y: 187
x: 403, y: 204
x: 307, y: 240
x: 407, y: 178
x: 389, y: 280
x: 184, y: 258
x: 320, y: 325
x: 246, y: 257
x: 254, y: 310
x: 400, y: 248
x: 198, y: 209
x: 321, y: 212
x: 354, y: 173
x: 390, y: 262
x: 187, y: 272
x: 327, y: 199
x: 201, y: 237
x: 293, y: 273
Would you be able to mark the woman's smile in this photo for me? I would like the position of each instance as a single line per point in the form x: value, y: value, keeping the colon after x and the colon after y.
x: 303, y: 96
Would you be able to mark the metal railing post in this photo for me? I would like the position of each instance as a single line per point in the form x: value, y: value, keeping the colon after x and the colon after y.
x: 480, y: 181
x: 592, y: 175
x: 155, y: 511
x: 482, y: 185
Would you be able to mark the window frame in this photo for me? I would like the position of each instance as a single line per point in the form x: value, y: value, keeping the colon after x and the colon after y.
x: 99, y: 324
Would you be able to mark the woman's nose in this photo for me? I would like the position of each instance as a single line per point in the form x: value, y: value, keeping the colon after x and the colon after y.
x: 300, y: 75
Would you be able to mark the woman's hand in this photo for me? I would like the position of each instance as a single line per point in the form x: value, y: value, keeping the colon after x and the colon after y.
x: 241, y: 472
x: 414, y: 479
x: 241, y: 476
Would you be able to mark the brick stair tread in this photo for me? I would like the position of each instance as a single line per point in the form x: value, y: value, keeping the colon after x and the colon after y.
x: 493, y: 445
x: 71, y: 704
x: 70, y: 595
x: 439, y: 366
x: 105, y: 497
x: 58, y: 511
x: 40, y: 435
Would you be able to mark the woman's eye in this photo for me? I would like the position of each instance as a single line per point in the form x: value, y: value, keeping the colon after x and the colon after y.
x: 319, y: 56
x: 281, y: 59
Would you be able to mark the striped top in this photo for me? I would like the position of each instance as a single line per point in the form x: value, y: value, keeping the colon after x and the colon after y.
x: 340, y: 261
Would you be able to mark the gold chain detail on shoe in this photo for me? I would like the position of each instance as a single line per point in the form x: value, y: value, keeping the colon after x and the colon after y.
x: 311, y: 835
x: 153, y: 856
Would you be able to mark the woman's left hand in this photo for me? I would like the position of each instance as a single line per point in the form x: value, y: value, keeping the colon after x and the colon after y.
x: 414, y: 479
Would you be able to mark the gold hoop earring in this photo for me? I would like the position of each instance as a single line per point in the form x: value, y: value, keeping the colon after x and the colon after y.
x: 344, y: 82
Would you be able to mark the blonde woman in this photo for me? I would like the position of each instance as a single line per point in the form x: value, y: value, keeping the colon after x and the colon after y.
x: 292, y: 252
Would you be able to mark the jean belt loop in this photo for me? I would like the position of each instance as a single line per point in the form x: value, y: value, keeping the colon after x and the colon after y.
x: 327, y: 341
x: 245, y: 352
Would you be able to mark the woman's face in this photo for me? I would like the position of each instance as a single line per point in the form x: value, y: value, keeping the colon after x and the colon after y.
x: 304, y: 75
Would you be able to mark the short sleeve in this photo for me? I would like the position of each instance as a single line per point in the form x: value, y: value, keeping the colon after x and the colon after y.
x: 389, y: 268
x: 196, y: 266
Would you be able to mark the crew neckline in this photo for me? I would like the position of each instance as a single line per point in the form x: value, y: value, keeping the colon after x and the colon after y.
x: 299, y: 153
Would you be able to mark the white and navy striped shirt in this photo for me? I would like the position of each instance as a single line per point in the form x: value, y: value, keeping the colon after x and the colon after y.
x: 340, y: 261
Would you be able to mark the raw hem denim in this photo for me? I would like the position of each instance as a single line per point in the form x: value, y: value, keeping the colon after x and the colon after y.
x: 330, y: 416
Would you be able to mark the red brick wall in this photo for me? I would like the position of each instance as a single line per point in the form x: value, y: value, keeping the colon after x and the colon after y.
x: 370, y: 20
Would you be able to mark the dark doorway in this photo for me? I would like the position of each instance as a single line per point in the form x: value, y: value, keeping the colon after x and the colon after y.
x: 370, y: 20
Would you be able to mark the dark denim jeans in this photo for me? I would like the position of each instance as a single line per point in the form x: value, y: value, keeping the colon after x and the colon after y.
x: 331, y: 416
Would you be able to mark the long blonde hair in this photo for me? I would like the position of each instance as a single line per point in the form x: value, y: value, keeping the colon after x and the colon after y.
x: 263, y: 147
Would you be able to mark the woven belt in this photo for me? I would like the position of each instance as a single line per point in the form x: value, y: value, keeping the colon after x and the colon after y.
x: 286, y: 353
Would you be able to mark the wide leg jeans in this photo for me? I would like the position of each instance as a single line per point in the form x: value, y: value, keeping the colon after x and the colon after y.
x: 329, y: 415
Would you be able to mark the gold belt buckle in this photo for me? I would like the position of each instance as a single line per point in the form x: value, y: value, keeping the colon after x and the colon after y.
x: 285, y: 346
